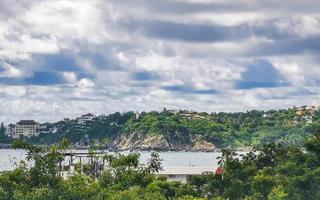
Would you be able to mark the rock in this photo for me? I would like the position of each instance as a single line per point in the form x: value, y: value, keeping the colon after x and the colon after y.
x: 155, y: 141
x: 140, y: 141
x: 201, y: 145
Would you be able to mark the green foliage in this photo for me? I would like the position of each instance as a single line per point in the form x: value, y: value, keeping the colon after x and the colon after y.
x: 137, y: 194
x: 188, y: 197
x: 78, y: 187
x: 3, y: 137
x: 100, y: 130
x: 36, y: 194
x: 170, y: 190
x: 277, y: 193
x: 45, y: 170
x: 253, y: 128
x: 271, y: 172
x: 154, y: 163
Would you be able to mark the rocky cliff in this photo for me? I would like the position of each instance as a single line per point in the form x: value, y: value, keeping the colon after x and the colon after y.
x: 160, y: 142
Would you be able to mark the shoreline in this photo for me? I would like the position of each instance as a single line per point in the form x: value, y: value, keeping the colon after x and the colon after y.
x: 216, y: 150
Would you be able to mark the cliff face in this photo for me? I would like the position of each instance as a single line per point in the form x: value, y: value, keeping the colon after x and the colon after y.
x: 178, y: 142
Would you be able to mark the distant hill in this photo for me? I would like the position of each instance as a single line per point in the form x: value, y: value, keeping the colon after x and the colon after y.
x: 184, y: 130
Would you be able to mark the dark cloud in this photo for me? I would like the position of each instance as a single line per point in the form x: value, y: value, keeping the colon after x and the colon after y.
x: 202, y: 33
x: 301, y: 91
x: 187, y: 7
x: 145, y: 76
x: 102, y: 60
x: 185, y: 89
x: 193, y: 32
x: 261, y: 74
x: 56, y: 62
x: 179, y: 7
x: 9, y: 8
x: 286, y: 47
x: 253, y: 84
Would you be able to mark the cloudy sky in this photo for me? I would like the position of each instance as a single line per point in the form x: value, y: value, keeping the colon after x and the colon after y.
x: 63, y: 58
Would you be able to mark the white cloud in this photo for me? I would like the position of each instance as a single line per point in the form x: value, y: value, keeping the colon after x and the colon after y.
x: 10, y: 71
x: 66, y: 19
x: 85, y: 83
x: 302, y: 25
x: 70, y: 77
x: 13, y: 91
x: 301, y: 70
x: 125, y: 58
x: 291, y: 71
x: 47, y: 27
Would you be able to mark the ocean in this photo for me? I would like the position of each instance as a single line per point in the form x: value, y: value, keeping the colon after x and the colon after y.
x: 9, y: 158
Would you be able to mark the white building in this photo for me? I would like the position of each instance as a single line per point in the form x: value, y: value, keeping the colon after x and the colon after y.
x: 26, y: 128
x: 183, y: 174
x: 84, y: 118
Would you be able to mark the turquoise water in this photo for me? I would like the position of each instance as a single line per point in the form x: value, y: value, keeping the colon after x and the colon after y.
x: 9, y: 158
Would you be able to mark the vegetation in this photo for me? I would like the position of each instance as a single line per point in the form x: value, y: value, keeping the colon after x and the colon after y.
x: 272, y: 172
x: 98, y: 129
x: 252, y: 128
x: 3, y: 138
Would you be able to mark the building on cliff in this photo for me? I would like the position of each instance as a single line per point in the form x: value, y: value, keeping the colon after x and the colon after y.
x: 85, y: 118
x: 26, y: 128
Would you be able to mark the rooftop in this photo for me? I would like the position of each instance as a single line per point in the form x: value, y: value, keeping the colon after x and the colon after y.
x: 186, y: 170
x: 88, y: 115
x: 27, y: 122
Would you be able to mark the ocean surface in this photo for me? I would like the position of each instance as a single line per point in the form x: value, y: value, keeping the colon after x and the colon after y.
x: 9, y: 158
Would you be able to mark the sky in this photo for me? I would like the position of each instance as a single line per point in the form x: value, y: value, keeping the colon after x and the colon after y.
x: 64, y: 58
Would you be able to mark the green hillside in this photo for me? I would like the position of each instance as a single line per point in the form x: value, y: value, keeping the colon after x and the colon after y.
x: 252, y: 128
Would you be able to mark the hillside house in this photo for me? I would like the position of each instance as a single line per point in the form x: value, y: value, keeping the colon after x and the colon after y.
x: 85, y: 118
x: 26, y: 128
x: 306, y: 111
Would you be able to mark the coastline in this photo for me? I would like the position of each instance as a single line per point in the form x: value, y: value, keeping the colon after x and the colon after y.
x: 147, y: 149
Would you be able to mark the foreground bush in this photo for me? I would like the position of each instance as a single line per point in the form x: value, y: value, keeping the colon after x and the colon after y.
x: 274, y: 172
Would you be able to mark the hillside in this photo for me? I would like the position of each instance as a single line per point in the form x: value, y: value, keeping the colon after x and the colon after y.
x: 185, y: 130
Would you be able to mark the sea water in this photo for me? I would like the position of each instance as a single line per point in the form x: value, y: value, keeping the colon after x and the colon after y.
x: 10, y: 158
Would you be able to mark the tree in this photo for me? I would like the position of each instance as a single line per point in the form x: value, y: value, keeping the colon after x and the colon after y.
x: 44, y: 170
x: 3, y: 137
x: 154, y: 163
x: 278, y: 193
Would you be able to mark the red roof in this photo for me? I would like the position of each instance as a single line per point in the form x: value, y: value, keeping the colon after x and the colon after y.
x: 219, y: 171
